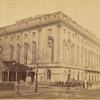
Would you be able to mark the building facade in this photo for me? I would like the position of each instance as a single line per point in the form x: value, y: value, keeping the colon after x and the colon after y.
x: 62, y: 48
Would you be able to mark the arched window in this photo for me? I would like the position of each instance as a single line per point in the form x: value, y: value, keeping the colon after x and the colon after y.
x: 64, y: 75
x: 33, y: 52
x: 50, y: 46
x: 18, y: 53
x: 69, y: 54
x: 97, y: 61
x: 91, y: 59
x: 69, y: 75
x: 77, y: 55
x: 11, y: 52
x: 85, y: 57
x: 72, y: 54
x: 69, y: 51
x: 48, y: 74
x: 64, y: 51
x: 25, y: 53
x: 82, y: 56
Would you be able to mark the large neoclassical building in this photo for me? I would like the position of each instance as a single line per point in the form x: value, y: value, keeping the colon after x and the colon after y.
x: 62, y: 48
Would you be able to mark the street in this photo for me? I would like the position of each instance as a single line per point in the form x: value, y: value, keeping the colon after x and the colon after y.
x: 56, y: 93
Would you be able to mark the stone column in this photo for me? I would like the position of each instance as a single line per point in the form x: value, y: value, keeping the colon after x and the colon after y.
x: 79, y: 55
x: 26, y: 73
x: 59, y: 42
x: 93, y: 59
x: 99, y: 76
x: 14, y: 48
x: 8, y: 76
x: 75, y: 58
x: 75, y: 75
x: 39, y: 29
x: 83, y: 57
x: 26, y: 78
x: 16, y: 76
x: 22, y: 49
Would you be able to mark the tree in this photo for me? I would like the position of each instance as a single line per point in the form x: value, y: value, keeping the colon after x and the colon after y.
x: 17, y: 67
x: 40, y: 59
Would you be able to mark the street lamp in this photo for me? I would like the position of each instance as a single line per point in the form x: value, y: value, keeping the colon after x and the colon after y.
x: 36, y: 84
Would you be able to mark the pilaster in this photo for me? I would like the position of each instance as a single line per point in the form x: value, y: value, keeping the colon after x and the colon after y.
x: 59, y: 43
x: 8, y: 76
x: 16, y: 76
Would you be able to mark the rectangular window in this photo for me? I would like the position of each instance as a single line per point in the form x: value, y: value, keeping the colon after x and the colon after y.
x: 73, y: 36
x: 18, y: 37
x: 25, y: 36
x: 33, y: 34
x: 11, y: 38
x: 49, y: 31
x: 89, y: 44
x: 78, y: 39
x: 64, y: 31
x: 82, y: 40
x: 11, y: 53
x: 85, y: 43
x: 68, y: 33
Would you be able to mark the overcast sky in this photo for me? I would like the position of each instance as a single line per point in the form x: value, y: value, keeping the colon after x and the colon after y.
x: 84, y: 12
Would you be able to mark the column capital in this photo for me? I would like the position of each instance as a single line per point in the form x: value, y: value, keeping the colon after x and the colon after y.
x: 59, y: 24
x: 38, y: 28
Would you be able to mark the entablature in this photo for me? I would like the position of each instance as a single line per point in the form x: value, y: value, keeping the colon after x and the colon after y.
x: 47, y: 19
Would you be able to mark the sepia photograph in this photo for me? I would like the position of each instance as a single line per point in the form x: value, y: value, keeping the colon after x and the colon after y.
x: 49, y: 49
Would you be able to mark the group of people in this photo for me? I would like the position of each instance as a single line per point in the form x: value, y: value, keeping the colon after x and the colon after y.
x: 73, y: 83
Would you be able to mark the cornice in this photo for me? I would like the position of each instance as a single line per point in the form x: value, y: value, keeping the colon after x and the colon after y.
x: 45, y: 20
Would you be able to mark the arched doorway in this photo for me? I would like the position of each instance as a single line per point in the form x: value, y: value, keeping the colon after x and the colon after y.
x: 49, y: 74
x: 50, y: 46
x: 69, y: 75
x: 31, y: 73
x: 78, y: 76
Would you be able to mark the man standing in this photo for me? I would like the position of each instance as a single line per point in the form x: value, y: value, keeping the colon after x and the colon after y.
x: 85, y: 85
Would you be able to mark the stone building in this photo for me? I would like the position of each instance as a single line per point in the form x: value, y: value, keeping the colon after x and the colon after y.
x: 62, y: 48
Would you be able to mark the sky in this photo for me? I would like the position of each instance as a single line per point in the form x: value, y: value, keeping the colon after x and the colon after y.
x: 84, y: 12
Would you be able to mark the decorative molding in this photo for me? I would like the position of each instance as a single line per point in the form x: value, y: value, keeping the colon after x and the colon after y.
x: 59, y: 24
x: 38, y: 28
x: 45, y: 19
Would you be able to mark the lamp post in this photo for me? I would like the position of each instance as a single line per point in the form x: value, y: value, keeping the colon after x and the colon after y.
x: 36, y: 84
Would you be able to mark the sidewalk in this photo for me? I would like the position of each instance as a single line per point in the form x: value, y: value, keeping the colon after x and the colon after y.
x: 30, y: 90
x: 95, y: 87
x: 22, y: 89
